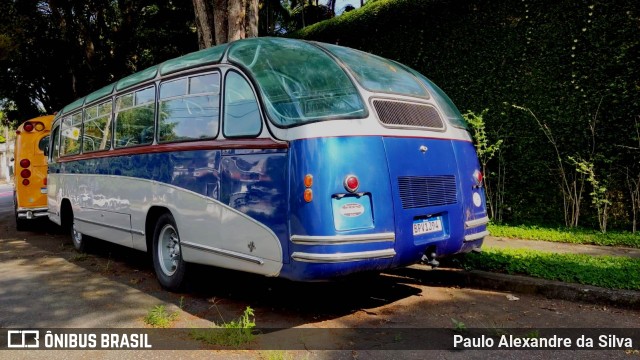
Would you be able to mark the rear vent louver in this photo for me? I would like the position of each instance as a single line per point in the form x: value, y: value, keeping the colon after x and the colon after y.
x: 424, y: 191
x: 400, y: 114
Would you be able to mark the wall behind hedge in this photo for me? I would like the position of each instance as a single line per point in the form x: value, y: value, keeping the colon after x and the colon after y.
x: 570, y: 62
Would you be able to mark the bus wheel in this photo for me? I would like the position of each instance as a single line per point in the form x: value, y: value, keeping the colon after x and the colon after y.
x: 79, y: 241
x: 167, y: 255
x: 20, y: 223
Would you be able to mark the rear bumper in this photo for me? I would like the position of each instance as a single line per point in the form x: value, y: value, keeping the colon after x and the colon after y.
x: 32, y: 213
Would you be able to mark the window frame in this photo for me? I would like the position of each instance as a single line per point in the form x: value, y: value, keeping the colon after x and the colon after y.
x: 111, y: 125
x: 188, y: 76
x: 115, y: 111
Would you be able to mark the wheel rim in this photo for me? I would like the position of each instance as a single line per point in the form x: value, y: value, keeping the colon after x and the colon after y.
x: 76, y: 235
x: 169, y: 250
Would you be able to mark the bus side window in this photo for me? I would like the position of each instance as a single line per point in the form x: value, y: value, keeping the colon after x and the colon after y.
x: 135, y: 118
x: 189, y: 108
x: 96, y: 133
x: 70, y: 134
x: 43, y: 145
x: 241, y: 112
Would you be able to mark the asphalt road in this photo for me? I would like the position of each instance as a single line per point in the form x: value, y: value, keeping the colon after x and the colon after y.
x: 6, y: 199
x: 44, y: 283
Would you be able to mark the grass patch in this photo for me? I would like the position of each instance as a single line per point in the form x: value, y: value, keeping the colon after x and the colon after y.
x: 159, y: 317
x: 566, y: 235
x: 603, y: 271
x: 77, y: 257
x: 234, y: 333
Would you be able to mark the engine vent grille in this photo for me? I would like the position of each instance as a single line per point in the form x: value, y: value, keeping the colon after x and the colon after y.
x: 396, y: 113
x: 424, y: 191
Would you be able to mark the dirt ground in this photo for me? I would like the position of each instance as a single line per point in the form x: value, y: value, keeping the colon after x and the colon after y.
x: 46, y: 283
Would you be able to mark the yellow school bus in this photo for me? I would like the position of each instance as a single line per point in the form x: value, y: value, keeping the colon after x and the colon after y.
x: 30, y: 170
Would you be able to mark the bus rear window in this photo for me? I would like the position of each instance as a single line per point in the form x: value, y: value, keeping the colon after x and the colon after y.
x: 300, y: 83
x: 377, y: 74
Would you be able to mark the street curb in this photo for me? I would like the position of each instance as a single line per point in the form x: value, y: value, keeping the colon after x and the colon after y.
x: 527, y: 285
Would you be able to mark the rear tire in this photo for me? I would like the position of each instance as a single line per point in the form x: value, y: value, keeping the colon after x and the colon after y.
x: 20, y: 223
x: 167, y: 255
x: 77, y: 238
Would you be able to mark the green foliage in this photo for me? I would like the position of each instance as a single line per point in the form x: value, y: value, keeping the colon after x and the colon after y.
x: 235, y: 333
x: 458, y: 326
x: 159, y: 317
x: 570, y: 63
x: 566, y: 235
x: 52, y: 53
x: 485, y: 148
x: 603, y: 271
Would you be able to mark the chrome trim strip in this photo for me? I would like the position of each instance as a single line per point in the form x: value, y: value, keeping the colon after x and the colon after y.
x: 343, y: 239
x: 477, y: 222
x: 343, y: 257
x: 476, y: 236
x: 223, y: 252
x: 110, y: 226
x: 34, y: 210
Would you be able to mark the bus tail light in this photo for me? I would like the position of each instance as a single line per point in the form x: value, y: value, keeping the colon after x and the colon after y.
x: 308, y: 180
x: 308, y: 195
x: 25, y: 182
x: 45, y: 181
x: 26, y: 173
x: 351, y: 183
x: 477, y: 177
x: 28, y: 127
x: 25, y: 163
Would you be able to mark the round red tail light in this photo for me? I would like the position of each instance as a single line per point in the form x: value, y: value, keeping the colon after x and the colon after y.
x: 28, y: 127
x: 25, y: 163
x: 477, y: 176
x: 351, y: 183
x: 25, y: 182
x: 25, y: 173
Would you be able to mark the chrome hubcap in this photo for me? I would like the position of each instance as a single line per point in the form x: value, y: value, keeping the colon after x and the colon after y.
x: 75, y: 234
x: 169, y: 250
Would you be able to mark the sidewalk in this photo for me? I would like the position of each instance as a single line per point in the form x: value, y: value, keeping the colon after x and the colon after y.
x: 557, y: 247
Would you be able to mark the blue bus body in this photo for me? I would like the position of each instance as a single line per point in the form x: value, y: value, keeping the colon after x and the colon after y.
x: 240, y: 201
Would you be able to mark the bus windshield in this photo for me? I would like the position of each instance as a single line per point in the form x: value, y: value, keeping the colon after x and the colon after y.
x: 300, y: 83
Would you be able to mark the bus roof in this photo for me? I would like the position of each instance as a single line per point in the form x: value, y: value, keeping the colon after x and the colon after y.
x: 322, y: 76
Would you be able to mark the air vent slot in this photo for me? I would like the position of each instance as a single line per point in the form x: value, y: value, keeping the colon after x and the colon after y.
x: 404, y: 114
x: 425, y: 191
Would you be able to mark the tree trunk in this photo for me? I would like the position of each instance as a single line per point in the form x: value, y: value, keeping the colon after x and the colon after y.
x: 220, y: 16
x: 251, y: 21
x: 222, y: 21
x: 204, y: 23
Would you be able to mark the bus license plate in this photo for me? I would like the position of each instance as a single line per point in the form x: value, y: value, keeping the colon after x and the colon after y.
x: 426, y: 226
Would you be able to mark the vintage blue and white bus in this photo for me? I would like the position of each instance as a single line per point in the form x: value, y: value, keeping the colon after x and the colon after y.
x: 280, y: 157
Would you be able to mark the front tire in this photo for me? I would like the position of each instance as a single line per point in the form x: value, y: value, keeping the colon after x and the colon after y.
x: 167, y: 255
